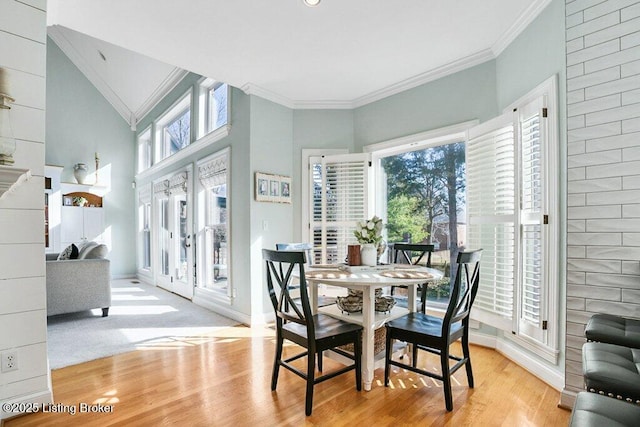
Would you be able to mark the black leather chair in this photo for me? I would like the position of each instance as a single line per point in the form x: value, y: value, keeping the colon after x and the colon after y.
x: 612, y: 329
x: 612, y: 370
x: 295, y: 322
x: 434, y: 334
x: 595, y: 410
x: 405, y: 253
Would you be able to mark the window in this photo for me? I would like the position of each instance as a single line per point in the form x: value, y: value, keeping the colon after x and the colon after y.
x: 513, y: 215
x: 214, y: 255
x: 144, y: 227
x: 421, y: 192
x: 173, y: 128
x: 145, y: 150
x: 213, y: 106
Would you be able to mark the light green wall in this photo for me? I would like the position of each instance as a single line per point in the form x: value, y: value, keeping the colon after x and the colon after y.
x: 79, y: 123
x: 271, y: 223
x: 466, y: 95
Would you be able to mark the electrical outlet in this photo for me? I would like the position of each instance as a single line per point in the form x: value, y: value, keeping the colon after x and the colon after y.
x: 9, y: 361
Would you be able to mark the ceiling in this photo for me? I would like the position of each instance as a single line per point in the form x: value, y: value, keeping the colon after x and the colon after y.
x: 340, y: 54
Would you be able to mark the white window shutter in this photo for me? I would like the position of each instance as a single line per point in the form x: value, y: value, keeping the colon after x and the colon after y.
x: 532, y: 137
x: 340, y: 198
x: 491, y: 207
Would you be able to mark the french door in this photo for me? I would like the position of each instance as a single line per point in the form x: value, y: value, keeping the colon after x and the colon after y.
x: 174, y: 236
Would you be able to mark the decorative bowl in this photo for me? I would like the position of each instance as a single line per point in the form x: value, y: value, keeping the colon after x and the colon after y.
x: 385, y: 303
x: 349, y: 304
x: 358, y: 292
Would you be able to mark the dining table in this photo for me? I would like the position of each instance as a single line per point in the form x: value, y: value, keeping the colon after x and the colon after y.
x: 368, y: 280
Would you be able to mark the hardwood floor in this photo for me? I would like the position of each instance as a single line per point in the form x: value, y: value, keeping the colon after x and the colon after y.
x: 224, y: 380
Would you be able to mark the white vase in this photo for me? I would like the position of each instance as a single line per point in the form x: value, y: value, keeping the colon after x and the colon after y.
x: 369, y: 254
x: 80, y: 172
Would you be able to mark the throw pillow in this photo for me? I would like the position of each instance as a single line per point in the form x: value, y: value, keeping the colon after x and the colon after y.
x: 70, y: 252
x: 98, y: 251
x: 85, y: 249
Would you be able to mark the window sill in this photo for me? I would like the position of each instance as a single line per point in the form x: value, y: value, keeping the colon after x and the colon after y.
x: 192, y: 148
x: 546, y: 353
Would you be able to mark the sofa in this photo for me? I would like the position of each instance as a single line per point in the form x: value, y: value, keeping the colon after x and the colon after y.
x: 79, y: 284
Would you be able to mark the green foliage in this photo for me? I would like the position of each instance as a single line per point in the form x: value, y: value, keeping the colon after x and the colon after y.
x: 404, y: 217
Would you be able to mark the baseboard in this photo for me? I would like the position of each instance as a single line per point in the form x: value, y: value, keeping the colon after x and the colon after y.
x: 520, y: 356
x: 222, y: 310
x: 39, y: 399
x: 122, y: 276
x: 567, y: 399
x: 531, y: 364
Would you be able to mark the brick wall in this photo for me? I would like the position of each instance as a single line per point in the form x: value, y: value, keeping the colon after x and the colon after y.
x: 603, y: 97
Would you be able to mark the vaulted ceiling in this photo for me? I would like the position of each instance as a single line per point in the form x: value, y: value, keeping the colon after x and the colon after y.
x: 340, y: 54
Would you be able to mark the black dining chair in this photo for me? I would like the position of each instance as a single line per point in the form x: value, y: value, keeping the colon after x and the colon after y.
x: 434, y: 334
x: 406, y: 253
x: 296, y: 322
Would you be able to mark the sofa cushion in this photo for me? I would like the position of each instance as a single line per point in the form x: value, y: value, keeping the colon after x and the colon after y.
x: 70, y: 252
x: 84, y: 250
x: 97, y: 252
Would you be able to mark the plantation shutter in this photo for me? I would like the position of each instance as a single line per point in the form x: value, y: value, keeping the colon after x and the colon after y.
x: 491, y: 205
x: 532, y: 296
x: 340, y: 198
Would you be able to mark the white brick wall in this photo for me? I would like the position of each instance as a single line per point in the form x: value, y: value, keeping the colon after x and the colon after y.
x: 603, y: 160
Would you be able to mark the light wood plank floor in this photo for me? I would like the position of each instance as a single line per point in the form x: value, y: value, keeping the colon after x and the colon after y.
x: 224, y: 380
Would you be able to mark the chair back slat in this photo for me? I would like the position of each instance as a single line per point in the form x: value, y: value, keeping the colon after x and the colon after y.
x: 281, y: 266
x: 464, y: 290
x: 406, y: 251
x: 306, y: 247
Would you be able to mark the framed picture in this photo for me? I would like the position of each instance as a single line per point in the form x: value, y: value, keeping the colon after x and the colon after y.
x: 67, y: 201
x: 273, y: 188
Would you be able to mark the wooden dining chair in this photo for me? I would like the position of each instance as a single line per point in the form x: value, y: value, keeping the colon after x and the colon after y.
x: 406, y: 253
x: 434, y: 334
x: 296, y: 322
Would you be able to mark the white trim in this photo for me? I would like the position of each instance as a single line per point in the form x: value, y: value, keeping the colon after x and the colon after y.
x: 426, y: 77
x: 432, y: 137
x: 38, y: 399
x: 131, y: 117
x: 523, y: 359
x: 542, y: 351
x: 512, y: 351
x: 123, y: 276
x: 520, y: 24
x: 166, y: 86
x: 253, y: 89
x: 192, y: 148
x: 208, y: 301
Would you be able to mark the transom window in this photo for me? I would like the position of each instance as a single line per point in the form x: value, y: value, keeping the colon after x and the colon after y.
x: 173, y: 129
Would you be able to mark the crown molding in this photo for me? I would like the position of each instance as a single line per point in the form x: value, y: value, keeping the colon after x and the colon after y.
x: 167, y: 85
x: 323, y: 105
x: 523, y: 21
x: 67, y: 48
x: 253, y: 89
x: 426, y: 77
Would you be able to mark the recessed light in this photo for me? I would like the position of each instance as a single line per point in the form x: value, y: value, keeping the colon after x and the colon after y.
x: 311, y: 3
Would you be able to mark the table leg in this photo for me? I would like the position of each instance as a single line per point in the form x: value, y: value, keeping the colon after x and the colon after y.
x: 411, y: 297
x: 368, y: 336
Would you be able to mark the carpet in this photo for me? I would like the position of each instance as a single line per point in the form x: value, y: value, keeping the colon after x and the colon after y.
x: 141, y: 316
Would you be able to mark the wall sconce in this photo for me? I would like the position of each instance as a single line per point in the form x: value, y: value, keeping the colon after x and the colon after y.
x: 7, y: 142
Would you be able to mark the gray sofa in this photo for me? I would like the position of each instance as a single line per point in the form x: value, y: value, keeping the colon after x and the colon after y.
x: 78, y: 284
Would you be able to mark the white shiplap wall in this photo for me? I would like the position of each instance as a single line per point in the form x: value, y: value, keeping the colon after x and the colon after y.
x: 23, y: 322
x: 603, y: 85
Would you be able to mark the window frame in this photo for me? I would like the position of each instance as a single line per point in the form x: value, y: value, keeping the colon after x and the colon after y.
x: 145, y: 149
x: 205, y: 86
x: 183, y: 104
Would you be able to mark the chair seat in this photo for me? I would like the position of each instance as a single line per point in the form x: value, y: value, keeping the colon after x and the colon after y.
x: 325, y: 326
x: 594, y: 410
x: 612, y: 369
x: 421, y: 323
x: 613, y: 330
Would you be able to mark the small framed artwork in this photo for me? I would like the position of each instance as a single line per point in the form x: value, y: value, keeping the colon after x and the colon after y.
x: 67, y: 201
x: 273, y: 188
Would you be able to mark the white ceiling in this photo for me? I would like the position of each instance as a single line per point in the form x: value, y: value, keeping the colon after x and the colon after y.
x: 340, y: 54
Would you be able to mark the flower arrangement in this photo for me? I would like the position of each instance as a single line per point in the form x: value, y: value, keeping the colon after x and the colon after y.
x: 79, y: 201
x: 369, y: 231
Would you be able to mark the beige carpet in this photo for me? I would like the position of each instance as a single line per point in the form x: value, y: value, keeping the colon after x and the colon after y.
x: 141, y: 316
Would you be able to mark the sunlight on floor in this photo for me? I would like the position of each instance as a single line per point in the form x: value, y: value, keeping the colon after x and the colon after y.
x: 136, y: 310
x: 108, y: 398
